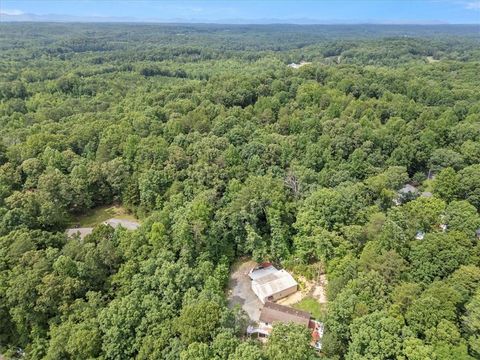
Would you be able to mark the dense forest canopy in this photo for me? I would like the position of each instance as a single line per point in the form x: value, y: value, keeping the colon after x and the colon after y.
x: 223, y: 151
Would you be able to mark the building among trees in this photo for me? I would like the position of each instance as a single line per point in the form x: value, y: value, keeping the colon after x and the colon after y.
x: 271, y: 284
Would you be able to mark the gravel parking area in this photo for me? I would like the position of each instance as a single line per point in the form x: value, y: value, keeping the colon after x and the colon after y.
x: 240, y: 291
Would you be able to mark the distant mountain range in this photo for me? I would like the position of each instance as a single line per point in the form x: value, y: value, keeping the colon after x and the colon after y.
x: 25, y: 17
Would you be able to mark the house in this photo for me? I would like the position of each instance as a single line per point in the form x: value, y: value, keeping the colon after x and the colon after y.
x: 408, y: 192
x: 420, y: 235
x: 273, y: 313
x: 298, y: 66
x: 478, y: 233
x: 271, y: 284
x: 129, y: 225
x: 114, y: 223
x: 81, y: 232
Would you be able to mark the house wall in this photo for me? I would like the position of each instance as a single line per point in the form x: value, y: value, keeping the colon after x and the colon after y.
x: 282, y: 294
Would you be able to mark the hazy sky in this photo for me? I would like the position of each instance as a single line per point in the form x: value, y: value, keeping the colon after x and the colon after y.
x: 420, y: 11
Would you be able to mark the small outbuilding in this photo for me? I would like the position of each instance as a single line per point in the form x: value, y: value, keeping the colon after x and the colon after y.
x: 271, y: 284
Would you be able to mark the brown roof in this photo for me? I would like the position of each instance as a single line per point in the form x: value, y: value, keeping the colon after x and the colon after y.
x: 272, y: 313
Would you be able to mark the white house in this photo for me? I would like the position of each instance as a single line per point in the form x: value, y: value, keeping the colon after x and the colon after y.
x: 271, y: 284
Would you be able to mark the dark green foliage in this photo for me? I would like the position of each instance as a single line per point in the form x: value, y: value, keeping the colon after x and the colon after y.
x: 224, y: 151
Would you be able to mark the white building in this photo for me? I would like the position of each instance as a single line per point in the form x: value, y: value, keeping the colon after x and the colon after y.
x: 298, y: 66
x: 271, y: 284
x: 127, y: 224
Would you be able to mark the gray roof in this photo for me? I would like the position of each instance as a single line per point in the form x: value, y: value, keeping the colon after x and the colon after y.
x: 127, y: 224
x: 82, y: 232
x: 255, y: 274
x: 272, y: 313
x: 408, y: 189
x: 273, y: 283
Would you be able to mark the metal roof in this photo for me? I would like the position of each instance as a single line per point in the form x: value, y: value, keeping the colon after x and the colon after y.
x: 273, y: 283
x: 129, y: 225
x: 82, y: 232
x: 272, y: 313
x: 257, y: 273
x: 408, y: 189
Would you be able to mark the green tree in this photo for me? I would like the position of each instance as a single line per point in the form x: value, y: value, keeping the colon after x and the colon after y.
x: 198, y: 321
x: 289, y: 341
x: 375, y: 336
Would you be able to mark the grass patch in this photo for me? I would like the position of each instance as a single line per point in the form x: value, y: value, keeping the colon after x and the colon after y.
x: 100, y: 214
x: 312, y: 306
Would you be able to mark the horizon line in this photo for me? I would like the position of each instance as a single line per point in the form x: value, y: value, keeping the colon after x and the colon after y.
x: 66, y: 18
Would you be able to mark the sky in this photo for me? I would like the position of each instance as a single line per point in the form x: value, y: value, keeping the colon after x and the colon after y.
x: 301, y: 11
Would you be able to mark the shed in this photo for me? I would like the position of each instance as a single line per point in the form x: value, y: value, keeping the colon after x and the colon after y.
x: 273, y: 313
x: 270, y: 284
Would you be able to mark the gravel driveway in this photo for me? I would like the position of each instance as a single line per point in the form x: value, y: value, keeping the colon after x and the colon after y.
x: 241, y: 293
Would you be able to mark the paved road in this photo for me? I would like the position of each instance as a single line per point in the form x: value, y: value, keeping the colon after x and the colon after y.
x: 241, y: 292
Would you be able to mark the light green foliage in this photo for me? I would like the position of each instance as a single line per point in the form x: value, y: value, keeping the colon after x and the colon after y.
x: 375, y: 336
x: 289, y: 341
x: 225, y: 152
x: 445, y: 184
x: 247, y: 351
x: 438, y: 255
x: 472, y: 323
x: 198, y: 321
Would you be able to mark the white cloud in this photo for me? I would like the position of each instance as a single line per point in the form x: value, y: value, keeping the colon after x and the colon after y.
x: 473, y: 5
x: 11, y: 12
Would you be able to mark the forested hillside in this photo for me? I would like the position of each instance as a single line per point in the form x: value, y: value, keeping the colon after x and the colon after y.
x: 223, y: 151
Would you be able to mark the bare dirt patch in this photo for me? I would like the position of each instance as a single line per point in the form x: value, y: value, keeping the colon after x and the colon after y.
x: 319, y: 290
x: 308, y: 288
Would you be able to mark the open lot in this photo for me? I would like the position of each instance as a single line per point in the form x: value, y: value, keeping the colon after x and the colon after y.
x: 100, y: 214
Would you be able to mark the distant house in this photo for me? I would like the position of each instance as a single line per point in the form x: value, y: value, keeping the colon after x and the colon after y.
x: 127, y: 224
x: 420, y: 235
x: 114, y: 223
x: 274, y: 313
x: 81, y: 232
x: 271, y: 284
x: 478, y: 233
x: 298, y: 66
x: 408, y: 192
